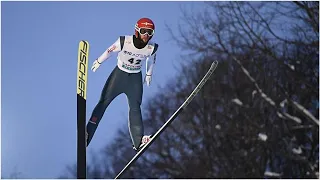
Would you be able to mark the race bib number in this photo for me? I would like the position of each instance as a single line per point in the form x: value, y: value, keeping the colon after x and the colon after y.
x: 134, y: 64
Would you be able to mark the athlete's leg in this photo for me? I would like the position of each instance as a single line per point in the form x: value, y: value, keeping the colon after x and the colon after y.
x: 134, y: 93
x: 110, y: 90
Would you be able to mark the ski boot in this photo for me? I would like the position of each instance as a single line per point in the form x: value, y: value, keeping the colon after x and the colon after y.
x: 144, y: 141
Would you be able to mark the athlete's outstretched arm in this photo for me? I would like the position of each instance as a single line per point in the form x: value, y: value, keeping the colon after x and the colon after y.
x: 115, y: 47
x: 150, y: 62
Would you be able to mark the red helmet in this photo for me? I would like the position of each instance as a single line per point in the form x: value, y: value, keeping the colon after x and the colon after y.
x: 143, y: 26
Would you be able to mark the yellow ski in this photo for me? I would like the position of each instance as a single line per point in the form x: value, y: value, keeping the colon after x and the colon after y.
x: 82, y: 76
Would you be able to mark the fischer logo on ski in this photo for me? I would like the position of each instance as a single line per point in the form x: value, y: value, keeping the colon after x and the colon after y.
x: 82, y: 68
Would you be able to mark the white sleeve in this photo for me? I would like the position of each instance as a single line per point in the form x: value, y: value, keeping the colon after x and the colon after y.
x: 150, y: 65
x: 151, y: 60
x: 115, y: 47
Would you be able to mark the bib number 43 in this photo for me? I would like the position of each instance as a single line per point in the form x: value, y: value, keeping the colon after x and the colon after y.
x: 135, y: 61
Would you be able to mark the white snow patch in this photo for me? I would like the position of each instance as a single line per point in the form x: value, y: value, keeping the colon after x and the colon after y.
x: 245, y: 153
x: 283, y: 102
x: 291, y: 66
x: 272, y: 174
x: 280, y: 115
x: 263, y: 136
x: 237, y: 101
x: 218, y: 126
x: 297, y: 150
x: 254, y: 93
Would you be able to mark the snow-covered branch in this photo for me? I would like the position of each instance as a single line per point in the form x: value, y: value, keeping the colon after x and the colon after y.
x: 237, y: 101
x: 305, y: 112
x: 265, y: 96
x: 303, y: 127
x: 301, y: 109
x: 294, y: 118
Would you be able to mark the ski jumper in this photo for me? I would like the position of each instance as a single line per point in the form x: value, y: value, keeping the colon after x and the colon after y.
x: 125, y: 78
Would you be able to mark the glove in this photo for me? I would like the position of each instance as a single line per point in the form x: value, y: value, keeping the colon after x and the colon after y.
x: 147, y: 79
x: 95, y: 65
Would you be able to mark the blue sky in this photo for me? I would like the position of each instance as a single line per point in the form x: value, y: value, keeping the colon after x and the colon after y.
x: 39, y: 42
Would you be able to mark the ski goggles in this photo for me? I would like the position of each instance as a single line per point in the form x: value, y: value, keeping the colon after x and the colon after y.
x: 144, y: 31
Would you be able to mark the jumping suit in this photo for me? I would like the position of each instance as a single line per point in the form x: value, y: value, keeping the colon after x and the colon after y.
x: 125, y: 78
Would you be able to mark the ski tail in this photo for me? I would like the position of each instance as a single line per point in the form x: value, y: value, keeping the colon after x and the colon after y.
x: 82, y: 76
x: 212, y: 68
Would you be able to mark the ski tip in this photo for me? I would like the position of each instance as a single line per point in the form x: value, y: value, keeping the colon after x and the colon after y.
x: 214, y: 64
x: 84, y: 41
